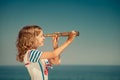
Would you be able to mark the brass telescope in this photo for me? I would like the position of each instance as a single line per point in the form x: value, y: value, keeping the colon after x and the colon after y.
x: 61, y: 34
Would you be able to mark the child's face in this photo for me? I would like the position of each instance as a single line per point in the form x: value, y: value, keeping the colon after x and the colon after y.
x: 41, y: 39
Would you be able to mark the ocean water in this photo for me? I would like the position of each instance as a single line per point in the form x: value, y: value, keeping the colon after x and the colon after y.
x: 65, y: 72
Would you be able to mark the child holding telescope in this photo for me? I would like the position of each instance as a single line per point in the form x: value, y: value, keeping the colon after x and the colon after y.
x: 37, y: 62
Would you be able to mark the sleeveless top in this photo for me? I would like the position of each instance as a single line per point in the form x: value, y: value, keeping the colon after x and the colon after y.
x: 37, y: 68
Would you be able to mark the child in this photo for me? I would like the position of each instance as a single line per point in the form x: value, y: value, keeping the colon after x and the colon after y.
x: 37, y: 62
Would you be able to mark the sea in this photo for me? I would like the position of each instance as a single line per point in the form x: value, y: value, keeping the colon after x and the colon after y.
x: 65, y: 72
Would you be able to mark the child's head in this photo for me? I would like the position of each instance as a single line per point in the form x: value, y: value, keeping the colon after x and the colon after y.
x: 29, y: 37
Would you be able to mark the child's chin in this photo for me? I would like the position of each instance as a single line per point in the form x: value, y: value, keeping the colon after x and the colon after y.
x: 42, y: 45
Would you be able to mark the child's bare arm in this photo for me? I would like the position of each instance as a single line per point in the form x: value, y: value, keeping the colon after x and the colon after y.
x: 58, y: 51
x: 56, y: 60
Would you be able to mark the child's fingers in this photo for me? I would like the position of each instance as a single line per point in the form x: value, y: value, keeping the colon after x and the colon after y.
x: 57, y: 37
x: 73, y: 33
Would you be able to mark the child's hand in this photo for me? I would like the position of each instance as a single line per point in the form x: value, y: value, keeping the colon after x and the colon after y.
x: 55, y: 41
x: 71, y: 36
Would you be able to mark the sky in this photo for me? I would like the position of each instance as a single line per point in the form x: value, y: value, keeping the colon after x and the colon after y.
x: 98, y: 22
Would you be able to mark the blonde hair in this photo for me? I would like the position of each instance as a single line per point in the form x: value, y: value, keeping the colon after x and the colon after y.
x: 27, y: 40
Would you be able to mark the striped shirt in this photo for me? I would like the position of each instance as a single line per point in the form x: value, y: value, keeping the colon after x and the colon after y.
x: 37, y: 68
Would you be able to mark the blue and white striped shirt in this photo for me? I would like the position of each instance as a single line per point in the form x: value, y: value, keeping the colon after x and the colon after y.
x: 35, y: 55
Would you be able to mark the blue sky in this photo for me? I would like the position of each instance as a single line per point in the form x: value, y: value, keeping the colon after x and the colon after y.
x: 98, y: 22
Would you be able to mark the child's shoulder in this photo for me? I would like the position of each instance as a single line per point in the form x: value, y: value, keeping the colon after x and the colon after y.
x: 34, y: 55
